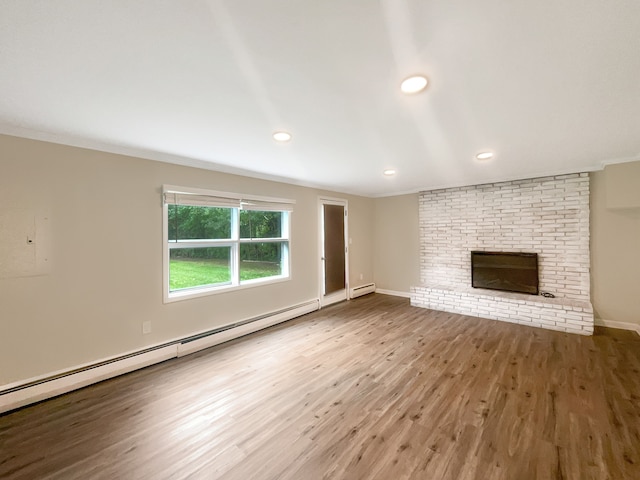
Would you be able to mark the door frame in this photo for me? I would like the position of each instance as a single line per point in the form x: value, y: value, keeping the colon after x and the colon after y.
x: 337, y: 296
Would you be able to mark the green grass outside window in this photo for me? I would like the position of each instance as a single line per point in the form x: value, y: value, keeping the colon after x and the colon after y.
x: 189, y: 273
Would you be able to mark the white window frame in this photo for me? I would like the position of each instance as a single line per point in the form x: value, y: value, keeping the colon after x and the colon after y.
x: 234, y: 243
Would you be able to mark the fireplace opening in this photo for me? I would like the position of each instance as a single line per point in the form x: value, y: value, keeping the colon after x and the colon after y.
x: 506, y: 271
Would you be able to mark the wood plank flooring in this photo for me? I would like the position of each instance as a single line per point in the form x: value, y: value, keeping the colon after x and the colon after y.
x: 367, y: 389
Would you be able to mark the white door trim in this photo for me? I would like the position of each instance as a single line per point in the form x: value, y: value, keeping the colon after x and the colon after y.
x: 337, y: 296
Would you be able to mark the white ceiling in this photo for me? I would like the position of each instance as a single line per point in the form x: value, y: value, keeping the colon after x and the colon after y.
x: 551, y: 86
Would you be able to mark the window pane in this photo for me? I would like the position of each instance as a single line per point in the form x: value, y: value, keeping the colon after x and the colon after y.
x: 197, y: 267
x: 254, y: 224
x: 260, y: 260
x: 199, y: 223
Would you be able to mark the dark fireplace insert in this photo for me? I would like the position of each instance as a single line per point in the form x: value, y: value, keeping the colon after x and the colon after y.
x: 511, y: 272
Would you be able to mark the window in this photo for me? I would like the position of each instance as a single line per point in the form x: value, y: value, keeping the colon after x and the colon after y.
x: 217, y: 241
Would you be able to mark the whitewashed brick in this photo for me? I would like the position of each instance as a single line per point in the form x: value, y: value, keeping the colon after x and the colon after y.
x: 547, y: 215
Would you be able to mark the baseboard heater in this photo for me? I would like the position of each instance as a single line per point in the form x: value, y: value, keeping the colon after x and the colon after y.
x: 18, y: 395
x: 363, y: 290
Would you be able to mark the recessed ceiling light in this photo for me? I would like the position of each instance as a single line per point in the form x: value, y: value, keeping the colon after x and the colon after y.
x: 484, y: 155
x: 414, y: 84
x: 281, y: 136
x: 389, y: 171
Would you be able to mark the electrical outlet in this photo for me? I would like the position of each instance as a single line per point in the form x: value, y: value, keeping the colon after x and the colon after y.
x: 146, y: 327
x: 361, y: 276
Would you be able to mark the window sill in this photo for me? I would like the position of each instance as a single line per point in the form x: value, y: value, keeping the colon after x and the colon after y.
x: 189, y: 293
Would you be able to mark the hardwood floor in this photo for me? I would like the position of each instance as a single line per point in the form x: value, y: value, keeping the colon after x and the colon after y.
x: 367, y: 389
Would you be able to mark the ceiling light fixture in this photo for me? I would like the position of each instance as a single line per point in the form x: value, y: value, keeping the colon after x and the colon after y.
x: 414, y: 84
x: 484, y: 155
x: 389, y: 172
x: 281, y: 136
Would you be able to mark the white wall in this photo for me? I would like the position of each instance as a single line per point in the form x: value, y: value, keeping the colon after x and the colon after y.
x: 396, y: 246
x: 615, y: 243
x: 103, y: 275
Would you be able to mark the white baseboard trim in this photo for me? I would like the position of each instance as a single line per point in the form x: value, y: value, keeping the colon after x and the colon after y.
x: 395, y: 293
x: 602, y: 322
x: 57, y: 386
x: 20, y: 394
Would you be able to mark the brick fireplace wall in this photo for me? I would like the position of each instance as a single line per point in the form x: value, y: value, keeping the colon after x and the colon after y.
x: 549, y: 216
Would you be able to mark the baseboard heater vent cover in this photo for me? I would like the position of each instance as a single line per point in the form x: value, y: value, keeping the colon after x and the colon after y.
x: 363, y: 290
x: 18, y: 395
